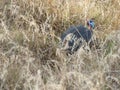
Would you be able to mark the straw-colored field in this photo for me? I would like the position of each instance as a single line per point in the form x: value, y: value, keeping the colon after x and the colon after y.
x: 30, y: 58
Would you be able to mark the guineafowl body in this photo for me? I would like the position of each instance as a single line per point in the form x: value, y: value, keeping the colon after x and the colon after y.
x: 73, y: 37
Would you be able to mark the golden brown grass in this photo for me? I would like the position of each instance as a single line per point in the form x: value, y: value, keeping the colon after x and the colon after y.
x: 29, y: 39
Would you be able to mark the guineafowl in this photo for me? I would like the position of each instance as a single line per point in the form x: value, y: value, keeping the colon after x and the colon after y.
x: 73, y: 38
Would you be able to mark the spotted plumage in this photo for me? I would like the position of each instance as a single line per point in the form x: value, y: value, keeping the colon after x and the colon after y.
x: 73, y: 38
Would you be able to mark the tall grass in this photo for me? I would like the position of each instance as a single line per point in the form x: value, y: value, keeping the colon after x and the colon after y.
x: 30, y: 58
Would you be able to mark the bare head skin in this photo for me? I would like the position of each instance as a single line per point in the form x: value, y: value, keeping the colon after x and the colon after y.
x: 89, y: 23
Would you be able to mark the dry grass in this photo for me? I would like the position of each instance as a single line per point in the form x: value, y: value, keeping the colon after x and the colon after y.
x: 29, y: 39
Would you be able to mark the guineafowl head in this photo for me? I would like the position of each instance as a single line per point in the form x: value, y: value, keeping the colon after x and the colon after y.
x: 91, y: 24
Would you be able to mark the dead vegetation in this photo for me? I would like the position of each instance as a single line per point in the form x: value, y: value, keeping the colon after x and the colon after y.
x: 29, y: 41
